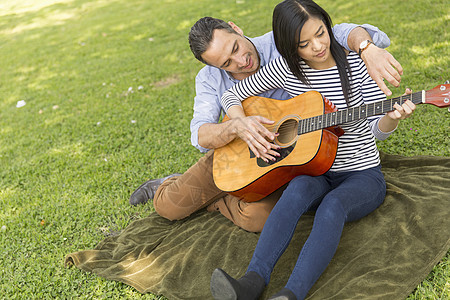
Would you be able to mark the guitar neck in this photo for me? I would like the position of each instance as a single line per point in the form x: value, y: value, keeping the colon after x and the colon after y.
x: 356, y: 113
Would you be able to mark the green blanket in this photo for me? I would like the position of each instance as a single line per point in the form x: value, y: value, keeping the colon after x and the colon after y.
x: 384, y: 255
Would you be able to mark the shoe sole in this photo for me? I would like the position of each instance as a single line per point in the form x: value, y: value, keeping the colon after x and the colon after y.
x: 221, y: 288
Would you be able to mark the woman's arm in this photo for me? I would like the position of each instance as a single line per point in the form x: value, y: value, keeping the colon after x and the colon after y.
x: 271, y: 76
x: 389, y: 121
x: 382, y: 126
x: 257, y: 137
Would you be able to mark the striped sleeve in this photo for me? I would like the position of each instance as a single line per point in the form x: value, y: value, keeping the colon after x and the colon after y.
x: 372, y: 93
x: 271, y: 76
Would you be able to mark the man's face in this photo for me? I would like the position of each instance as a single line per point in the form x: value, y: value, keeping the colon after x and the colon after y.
x: 232, y: 52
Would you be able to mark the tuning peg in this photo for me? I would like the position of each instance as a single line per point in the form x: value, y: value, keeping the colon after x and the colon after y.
x: 447, y: 82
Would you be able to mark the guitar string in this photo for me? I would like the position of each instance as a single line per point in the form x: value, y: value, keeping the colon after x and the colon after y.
x: 283, y: 128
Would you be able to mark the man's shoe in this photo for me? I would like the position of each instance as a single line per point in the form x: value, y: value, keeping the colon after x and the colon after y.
x: 284, y: 294
x: 147, y: 190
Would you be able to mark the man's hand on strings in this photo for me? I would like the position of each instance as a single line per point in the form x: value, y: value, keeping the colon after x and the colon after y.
x: 258, y: 138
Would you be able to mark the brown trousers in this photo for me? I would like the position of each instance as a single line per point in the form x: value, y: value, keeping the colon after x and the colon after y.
x: 179, y: 197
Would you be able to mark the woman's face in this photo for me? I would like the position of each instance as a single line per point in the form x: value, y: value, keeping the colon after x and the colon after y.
x: 314, y: 45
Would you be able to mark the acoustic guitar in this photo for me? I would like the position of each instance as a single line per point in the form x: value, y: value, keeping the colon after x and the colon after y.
x: 308, y: 136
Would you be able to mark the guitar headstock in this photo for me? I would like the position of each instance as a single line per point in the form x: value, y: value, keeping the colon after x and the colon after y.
x: 439, y: 95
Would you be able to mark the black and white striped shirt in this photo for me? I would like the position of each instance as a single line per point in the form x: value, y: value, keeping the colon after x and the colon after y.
x: 357, y: 149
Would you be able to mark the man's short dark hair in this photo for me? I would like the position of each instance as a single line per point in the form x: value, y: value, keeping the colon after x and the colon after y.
x: 201, y: 34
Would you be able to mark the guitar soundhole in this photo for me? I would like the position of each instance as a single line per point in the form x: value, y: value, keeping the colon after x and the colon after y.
x: 287, y: 132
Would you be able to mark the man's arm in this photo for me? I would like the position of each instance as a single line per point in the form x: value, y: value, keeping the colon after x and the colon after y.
x: 213, y: 136
x: 206, y: 132
x: 207, y: 109
x: 379, y: 62
x: 247, y: 128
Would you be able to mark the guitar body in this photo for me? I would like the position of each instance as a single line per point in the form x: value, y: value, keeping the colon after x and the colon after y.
x: 308, y: 150
x: 237, y: 171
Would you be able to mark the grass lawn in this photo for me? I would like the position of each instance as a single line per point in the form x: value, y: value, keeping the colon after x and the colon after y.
x: 109, y: 88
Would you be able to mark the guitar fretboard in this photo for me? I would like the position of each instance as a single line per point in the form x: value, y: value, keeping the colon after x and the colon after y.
x: 354, y: 113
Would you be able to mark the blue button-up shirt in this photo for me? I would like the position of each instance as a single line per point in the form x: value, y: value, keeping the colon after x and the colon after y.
x: 212, y: 82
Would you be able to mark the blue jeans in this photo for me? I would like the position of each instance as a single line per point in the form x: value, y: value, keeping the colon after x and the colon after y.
x: 338, y: 197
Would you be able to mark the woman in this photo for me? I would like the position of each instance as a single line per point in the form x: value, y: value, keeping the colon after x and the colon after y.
x: 351, y: 189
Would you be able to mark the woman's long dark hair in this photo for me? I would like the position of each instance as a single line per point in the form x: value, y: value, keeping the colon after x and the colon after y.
x: 289, y: 17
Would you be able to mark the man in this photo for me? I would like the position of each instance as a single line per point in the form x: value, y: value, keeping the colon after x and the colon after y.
x: 230, y: 57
